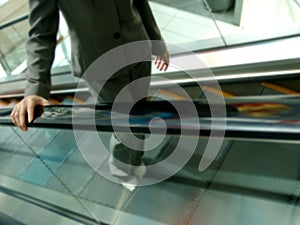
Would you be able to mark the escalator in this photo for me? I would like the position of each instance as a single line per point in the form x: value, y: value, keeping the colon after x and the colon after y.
x: 43, y: 172
x: 45, y: 178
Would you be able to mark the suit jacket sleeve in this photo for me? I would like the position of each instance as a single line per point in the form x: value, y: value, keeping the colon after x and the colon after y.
x: 151, y: 27
x: 40, y: 47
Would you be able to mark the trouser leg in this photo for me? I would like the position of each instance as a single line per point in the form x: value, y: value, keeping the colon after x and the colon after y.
x: 123, y: 156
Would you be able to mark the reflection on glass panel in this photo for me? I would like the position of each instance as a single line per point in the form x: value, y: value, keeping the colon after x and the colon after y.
x: 13, y: 56
x: 12, y: 49
x: 185, y: 21
x: 12, y: 37
x: 248, y: 181
x: 225, y: 22
x: 194, y: 24
x: 276, y: 18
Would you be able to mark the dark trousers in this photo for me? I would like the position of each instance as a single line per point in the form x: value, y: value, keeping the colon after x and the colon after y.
x: 124, y: 157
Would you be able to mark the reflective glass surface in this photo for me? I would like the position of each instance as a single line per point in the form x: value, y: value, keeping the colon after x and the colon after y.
x: 193, y: 24
x: 249, y: 182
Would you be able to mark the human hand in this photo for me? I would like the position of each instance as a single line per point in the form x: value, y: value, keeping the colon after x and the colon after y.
x: 24, y: 110
x: 162, y: 61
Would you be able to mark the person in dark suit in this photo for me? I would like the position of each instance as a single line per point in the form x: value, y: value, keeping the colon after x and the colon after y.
x: 95, y: 27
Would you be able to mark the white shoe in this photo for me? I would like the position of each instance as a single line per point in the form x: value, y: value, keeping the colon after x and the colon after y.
x: 139, y: 173
x: 131, y: 184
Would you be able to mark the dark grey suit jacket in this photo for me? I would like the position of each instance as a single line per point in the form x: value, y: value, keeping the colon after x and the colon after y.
x: 95, y: 26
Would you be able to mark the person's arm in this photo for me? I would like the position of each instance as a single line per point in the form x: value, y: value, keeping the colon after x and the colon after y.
x: 149, y: 22
x: 159, y: 48
x: 40, y: 48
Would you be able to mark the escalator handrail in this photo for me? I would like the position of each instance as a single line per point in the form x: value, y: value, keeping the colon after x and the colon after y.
x: 14, y: 21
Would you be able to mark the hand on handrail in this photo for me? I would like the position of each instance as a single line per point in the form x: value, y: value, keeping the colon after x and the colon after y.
x: 25, y: 112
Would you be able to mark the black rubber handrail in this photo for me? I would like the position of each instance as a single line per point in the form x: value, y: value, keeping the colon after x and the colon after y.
x: 243, y: 119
